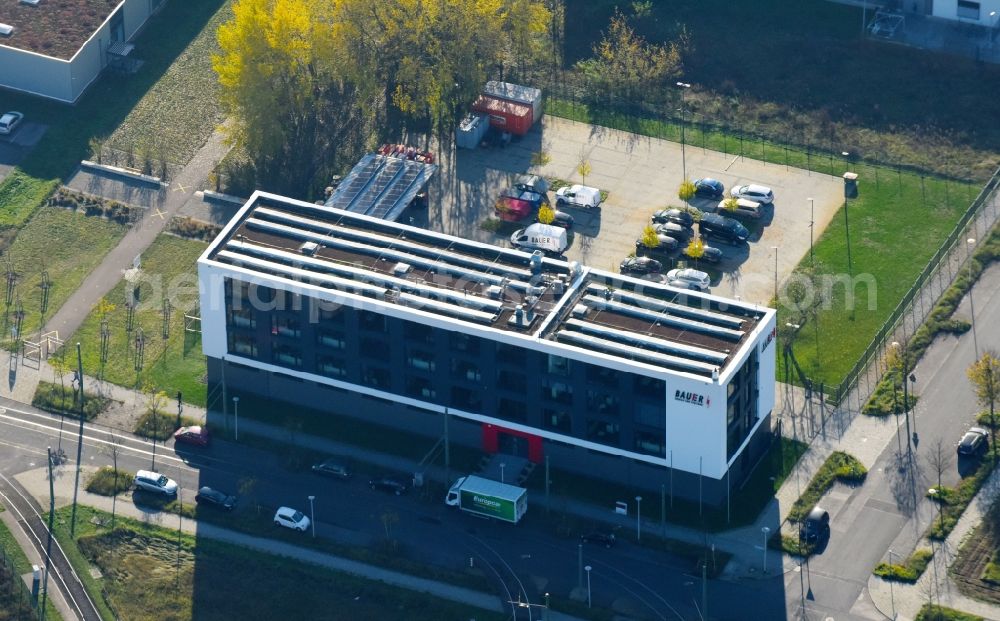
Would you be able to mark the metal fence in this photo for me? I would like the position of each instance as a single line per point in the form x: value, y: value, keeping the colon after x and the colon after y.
x: 15, y: 597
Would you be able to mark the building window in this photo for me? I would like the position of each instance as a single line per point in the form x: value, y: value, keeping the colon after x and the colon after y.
x: 464, y: 342
x: 731, y: 414
x: 420, y: 387
x: 243, y: 345
x: 376, y: 377
x: 510, y: 354
x: 650, y: 414
x: 418, y: 333
x: 375, y: 349
x: 286, y: 326
x: 465, y: 369
x: 242, y: 318
x: 560, y: 420
x: 333, y: 340
x: 650, y: 443
x: 372, y: 322
x: 649, y: 386
x: 331, y: 367
x: 512, y: 410
x: 286, y: 356
x: 968, y: 10
x: 602, y: 403
x: 465, y: 399
x: 421, y: 360
x: 557, y: 365
x: 603, y: 431
x: 329, y: 312
x: 602, y: 375
x: 510, y: 380
x: 557, y: 391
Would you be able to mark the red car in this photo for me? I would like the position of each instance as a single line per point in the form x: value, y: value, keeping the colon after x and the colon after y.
x: 192, y: 435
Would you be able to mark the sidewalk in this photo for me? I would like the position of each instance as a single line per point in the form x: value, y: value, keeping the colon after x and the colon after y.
x: 36, y: 483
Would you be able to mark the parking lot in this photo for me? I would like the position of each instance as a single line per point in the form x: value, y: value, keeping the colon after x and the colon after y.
x: 13, y: 148
x: 640, y: 175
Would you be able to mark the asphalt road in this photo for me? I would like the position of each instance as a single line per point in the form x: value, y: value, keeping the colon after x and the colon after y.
x: 654, y: 585
x: 890, y: 511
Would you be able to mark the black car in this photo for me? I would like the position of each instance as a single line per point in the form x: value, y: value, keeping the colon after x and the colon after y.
x: 710, y: 254
x: 640, y: 266
x: 709, y: 188
x: 389, y: 485
x: 714, y: 225
x: 603, y: 538
x: 562, y: 219
x: 214, y: 498
x: 677, y: 231
x: 666, y: 245
x: 974, y: 442
x: 673, y: 215
x: 333, y: 467
x: 816, y: 526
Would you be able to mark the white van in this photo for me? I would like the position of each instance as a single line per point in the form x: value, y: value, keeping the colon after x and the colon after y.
x: 745, y: 208
x: 543, y: 237
x: 578, y: 196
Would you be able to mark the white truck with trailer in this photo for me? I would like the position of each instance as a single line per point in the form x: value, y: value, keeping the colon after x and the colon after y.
x: 488, y: 498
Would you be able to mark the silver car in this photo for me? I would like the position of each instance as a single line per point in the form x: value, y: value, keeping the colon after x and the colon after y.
x: 753, y: 192
x: 9, y: 122
x: 695, y: 279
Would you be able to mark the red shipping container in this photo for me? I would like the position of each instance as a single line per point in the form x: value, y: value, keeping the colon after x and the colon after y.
x: 507, y: 116
x: 511, y: 209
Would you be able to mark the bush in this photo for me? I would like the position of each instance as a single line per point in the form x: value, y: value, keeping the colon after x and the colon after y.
x: 838, y: 466
x: 490, y: 224
x: 94, y: 206
x: 930, y: 612
x: 184, y: 226
x: 162, y: 427
x: 103, y: 482
x: 58, y: 399
x: 909, y: 571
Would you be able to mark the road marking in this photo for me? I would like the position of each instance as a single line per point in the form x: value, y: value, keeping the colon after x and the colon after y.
x: 159, y: 213
x: 731, y: 163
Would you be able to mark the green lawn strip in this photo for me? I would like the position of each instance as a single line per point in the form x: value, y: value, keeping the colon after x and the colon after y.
x: 179, y: 112
x: 839, y: 466
x: 20, y: 196
x: 156, y: 573
x: 106, y: 482
x: 16, y: 557
x: 952, y: 501
x: 171, y: 365
x: 59, y: 399
x: 909, y: 571
x: 991, y: 573
x: 932, y: 612
x: 939, y: 321
x: 64, y: 244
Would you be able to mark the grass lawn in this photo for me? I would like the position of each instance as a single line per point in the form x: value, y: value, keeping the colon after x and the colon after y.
x: 909, y: 570
x: 180, y: 111
x: 930, y: 612
x: 10, y: 599
x: 152, y: 573
x: 68, y: 246
x: 171, y: 365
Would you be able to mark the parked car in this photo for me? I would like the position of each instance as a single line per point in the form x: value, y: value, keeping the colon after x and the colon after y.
x: 155, y: 482
x: 710, y: 254
x: 290, y: 518
x: 709, y: 188
x: 666, y: 246
x: 745, y: 208
x: 640, y: 265
x: 532, y: 183
x: 697, y: 278
x: 974, y: 442
x: 563, y: 220
x: 673, y: 215
x: 600, y: 537
x: 578, y: 196
x: 759, y: 193
x: 388, y: 484
x: 816, y: 526
x: 9, y: 122
x: 544, y: 237
x: 195, y: 435
x: 720, y: 227
x: 677, y: 231
x: 335, y: 467
x: 214, y: 498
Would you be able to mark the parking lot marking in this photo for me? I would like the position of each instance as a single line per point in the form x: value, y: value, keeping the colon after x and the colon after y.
x: 732, y: 162
x: 159, y: 213
x: 179, y: 188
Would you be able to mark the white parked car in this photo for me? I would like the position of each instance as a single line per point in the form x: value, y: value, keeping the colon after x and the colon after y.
x: 155, y: 482
x: 290, y: 518
x: 578, y: 196
x: 753, y: 192
x: 9, y: 122
x: 689, y: 278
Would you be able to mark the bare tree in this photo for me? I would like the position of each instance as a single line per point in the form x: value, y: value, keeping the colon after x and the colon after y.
x: 937, y: 458
x: 985, y: 377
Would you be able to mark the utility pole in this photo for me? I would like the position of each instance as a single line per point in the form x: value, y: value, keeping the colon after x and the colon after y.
x: 79, y: 444
x: 48, y: 545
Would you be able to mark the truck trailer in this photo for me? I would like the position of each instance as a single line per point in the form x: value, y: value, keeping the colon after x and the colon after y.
x: 488, y: 498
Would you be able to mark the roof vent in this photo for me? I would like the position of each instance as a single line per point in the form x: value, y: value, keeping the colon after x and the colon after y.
x: 31, y: 2
x: 715, y: 374
x: 495, y: 292
x: 536, y: 262
x: 558, y: 286
x: 401, y: 269
x: 6, y: 30
x: 536, y: 291
x: 309, y: 248
x: 580, y: 311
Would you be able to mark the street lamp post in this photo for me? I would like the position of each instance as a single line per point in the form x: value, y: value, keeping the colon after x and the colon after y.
x: 638, y: 518
x: 969, y: 243
x: 765, y: 531
x: 901, y: 352
x: 683, y: 86
x: 589, y: 601
x: 236, y: 416
x: 775, y: 249
x: 812, y: 222
x: 312, y: 515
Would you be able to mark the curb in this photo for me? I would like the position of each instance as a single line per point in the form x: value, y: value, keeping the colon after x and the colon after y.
x: 123, y: 172
x: 220, y: 197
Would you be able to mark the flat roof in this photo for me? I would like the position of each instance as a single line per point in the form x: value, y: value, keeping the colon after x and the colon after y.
x: 56, y: 28
x: 491, y: 288
x: 381, y: 186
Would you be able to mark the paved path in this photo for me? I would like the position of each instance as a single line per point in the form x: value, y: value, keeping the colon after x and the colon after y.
x: 161, y: 208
